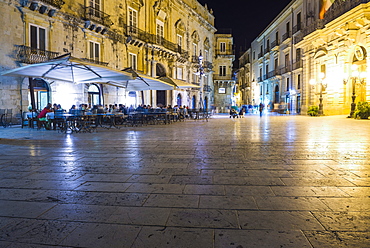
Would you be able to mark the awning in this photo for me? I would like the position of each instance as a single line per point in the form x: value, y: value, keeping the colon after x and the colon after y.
x: 178, y: 83
x: 138, y: 82
x: 69, y: 69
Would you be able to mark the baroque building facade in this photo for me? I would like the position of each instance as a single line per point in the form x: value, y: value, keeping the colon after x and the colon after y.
x: 223, y: 78
x: 159, y: 39
x: 310, y: 55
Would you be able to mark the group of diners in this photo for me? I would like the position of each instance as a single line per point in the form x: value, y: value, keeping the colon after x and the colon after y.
x: 53, y: 115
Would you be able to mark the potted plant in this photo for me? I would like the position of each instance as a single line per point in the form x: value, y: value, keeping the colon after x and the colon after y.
x: 313, y: 110
x: 362, y: 110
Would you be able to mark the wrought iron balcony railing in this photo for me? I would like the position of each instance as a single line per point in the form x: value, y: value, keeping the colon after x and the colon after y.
x: 285, y: 69
x: 274, y: 43
x: 138, y: 34
x: 97, y: 16
x: 29, y: 55
x: 297, y: 64
x: 226, y: 52
x: 286, y: 36
x: 297, y: 28
x: 223, y: 77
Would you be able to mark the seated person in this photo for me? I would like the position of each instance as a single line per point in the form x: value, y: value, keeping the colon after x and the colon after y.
x: 42, y: 116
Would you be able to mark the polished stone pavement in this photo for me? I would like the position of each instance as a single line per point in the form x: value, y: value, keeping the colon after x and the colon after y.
x: 271, y: 181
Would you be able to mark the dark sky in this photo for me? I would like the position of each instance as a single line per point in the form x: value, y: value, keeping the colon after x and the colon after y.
x: 246, y: 18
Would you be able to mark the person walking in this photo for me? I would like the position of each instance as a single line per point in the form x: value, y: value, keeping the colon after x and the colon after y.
x: 261, y: 107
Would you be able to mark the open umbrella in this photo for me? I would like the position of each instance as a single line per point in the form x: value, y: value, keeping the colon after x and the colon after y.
x: 178, y: 83
x: 139, y: 82
x: 69, y: 69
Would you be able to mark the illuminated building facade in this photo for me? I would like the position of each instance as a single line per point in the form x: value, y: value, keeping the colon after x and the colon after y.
x: 155, y: 38
x: 314, y: 53
x: 225, y: 89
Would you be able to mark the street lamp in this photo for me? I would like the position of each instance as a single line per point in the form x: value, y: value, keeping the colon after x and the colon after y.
x: 322, y: 85
x: 357, y: 78
x: 200, y: 73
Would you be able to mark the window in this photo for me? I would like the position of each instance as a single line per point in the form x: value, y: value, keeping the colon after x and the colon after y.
x: 195, y: 49
x: 299, y: 20
x: 222, y: 47
x: 254, y: 55
x: 298, y: 54
x: 286, y: 60
x: 95, y: 7
x: 160, y: 30
x: 179, y: 73
x: 206, y: 54
x: 179, y: 40
x: 288, y: 28
x: 132, y: 19
x: 299, y: 81
x: 287, y: 84
x: 37, y: 37
x: 222, y: 70
x: 276, y: 63
x: 94, y: 51
x: 133, y: 61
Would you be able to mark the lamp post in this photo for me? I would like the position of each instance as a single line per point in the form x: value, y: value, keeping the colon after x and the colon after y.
x: 322, y: 85
x: 357, y: 78
x: 200, y: 73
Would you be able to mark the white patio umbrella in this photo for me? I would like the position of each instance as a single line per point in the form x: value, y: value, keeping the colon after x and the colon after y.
x: 69, y: 69
x: 139, y: 82
x: 178, y: 83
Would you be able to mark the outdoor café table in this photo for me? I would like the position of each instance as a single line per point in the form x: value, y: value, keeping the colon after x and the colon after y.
x: 108, y: 118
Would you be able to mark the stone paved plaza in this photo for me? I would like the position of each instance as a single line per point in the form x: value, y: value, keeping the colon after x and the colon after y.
x: 271, y: 181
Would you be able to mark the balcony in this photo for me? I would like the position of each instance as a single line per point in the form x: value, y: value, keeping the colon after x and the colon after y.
x: 274, y: 43
x: 260, y: 55
x: 273, y: 73
x: 286, y: 36
x: 297, y: 65
x: 297, y: 28
x: 134, y: 34
x: 285, y: 69
x: 225, y: 52
x: 227, y: 77
x: 337, y: 9
x: 29, y: 55
x: 97, y: 16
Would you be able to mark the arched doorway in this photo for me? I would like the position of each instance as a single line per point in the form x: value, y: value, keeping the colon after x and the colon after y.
x: 179, y: 100
x: 41, y: 93
x: 276, y: 94
x: 194, y: 102
x: 94, y: 95
x: 161, y: 94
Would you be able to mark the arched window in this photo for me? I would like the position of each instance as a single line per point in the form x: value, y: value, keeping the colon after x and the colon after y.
x: 94, y: 95
x: 41, y: 93
x: 179, y: 100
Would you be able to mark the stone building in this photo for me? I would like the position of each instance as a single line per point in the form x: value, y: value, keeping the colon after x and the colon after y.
x: 159, y: 40
x: 312, y: 54
x: 335, y: 54
x: 223, y: 78
x: 244, y: 79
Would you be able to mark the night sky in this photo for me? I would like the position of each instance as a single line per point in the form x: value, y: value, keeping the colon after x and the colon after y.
x: 246, y: 18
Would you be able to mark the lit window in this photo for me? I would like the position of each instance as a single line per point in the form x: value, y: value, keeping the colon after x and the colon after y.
x: 37, y: 37
x: 133, y: 61
x: 94, y: 52
x: 222, y: 47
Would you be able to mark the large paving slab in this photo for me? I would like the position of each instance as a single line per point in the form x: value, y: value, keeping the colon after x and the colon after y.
x: 271, y: 181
